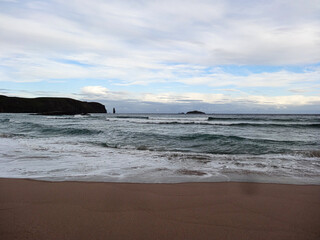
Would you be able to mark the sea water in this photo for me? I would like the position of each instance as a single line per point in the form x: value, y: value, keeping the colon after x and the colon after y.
x: 161, y: 148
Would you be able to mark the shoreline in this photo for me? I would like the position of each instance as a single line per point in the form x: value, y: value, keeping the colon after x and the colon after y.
x: 97, y: 181
x: 37, y: 209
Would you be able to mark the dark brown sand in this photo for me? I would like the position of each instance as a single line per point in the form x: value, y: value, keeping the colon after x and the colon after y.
x: 73, y: 210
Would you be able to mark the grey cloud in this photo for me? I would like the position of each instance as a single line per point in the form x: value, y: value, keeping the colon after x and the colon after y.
x: 141, y: 42
x: 189, y: 101
x: 299, y: 90
x: 223, y: 108
x: 196, y: 32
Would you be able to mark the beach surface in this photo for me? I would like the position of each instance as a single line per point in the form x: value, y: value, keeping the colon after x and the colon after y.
x: 85, y: 210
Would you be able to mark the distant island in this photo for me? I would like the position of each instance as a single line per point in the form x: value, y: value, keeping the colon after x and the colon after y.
x: 195, y: 112
x: 48, y: 106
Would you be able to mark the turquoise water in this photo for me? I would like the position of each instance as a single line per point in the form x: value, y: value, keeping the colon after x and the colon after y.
x: 161, y: 148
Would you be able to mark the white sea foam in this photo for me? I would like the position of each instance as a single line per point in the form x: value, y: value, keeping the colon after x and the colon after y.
x: 59, y: 160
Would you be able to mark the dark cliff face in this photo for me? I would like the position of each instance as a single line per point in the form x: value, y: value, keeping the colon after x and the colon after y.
x: 46, y: 105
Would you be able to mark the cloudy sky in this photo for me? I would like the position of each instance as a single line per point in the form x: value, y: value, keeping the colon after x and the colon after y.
x: 236, y: 56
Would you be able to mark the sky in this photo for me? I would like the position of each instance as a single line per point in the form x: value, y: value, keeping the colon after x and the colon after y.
x: 165, y: 56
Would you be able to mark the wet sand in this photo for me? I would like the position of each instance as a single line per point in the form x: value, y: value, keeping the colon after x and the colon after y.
x: 83, y: 210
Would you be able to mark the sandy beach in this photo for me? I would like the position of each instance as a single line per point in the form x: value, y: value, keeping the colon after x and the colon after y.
x: 84, y: 210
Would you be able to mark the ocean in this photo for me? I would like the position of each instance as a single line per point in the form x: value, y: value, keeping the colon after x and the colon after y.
x: 161, y: 148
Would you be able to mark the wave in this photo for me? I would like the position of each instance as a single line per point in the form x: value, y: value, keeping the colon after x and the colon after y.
x: 240, y: 124
x: 312, y: 153
x: 4, y: 120
x: 10, y: 135
x: 209, y: 137
x: 267, y: 118
x: 133, y: 117
x: 70, y: 131
x: 203, y: 143
x: 58, y: 117
x: 73, y: 117
x: 308, y: 125
x: 52, y: 130
x: 177, y: 122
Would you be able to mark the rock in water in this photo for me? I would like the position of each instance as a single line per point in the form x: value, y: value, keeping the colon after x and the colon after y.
x: 195, y: 112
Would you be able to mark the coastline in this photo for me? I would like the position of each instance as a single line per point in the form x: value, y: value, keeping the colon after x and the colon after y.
x: 32, y: 209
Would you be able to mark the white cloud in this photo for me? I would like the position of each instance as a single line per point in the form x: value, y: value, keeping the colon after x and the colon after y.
x: 265, y: 79
x: 98, y: 92
x: 95, y: 90
x: 22, y: 68
x: 296, y: 100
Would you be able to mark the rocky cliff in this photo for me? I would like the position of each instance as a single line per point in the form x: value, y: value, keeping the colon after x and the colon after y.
x: 48, y: 106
